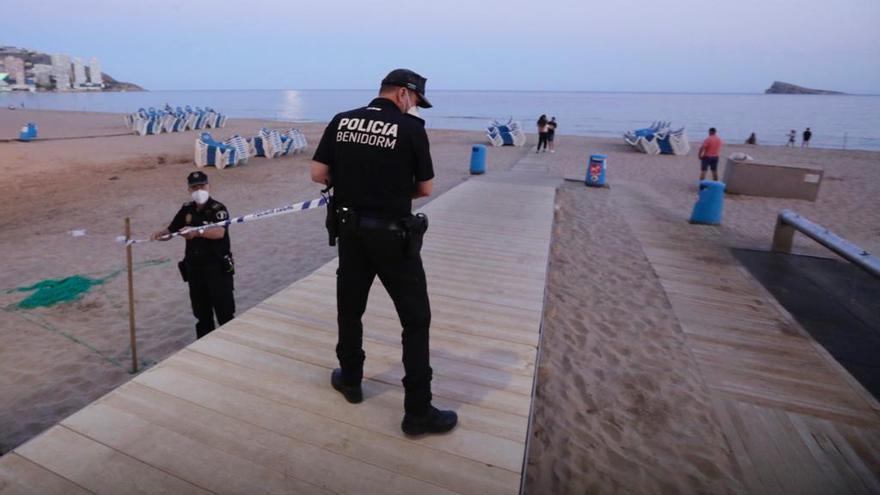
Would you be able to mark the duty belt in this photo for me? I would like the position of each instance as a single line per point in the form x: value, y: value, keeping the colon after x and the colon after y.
x: 379, y: 223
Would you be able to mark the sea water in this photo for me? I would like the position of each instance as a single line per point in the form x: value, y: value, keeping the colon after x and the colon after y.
x: 837, y: 121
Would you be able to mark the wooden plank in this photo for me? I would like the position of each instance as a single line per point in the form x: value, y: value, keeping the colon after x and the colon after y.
x: 451, y: 312
x: 485, y: 321
x: 20, y: 476
x: 483, y: 435
x: 460, y: 389
x: 792, y: 403
x: 462, y: 291
x: 835, y: 456
x: 397, y: 454
x: 481, y: 373
x: 80, y: 460
x: 229, y: 456
x: 267, y: 366
x: 499, y: 354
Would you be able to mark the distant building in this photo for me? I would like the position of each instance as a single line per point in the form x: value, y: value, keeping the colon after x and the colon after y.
x: 14, y: 66
x: 95, y: 76
x: 42, y: 75
x: 61, y: 71
x: 79, y: 73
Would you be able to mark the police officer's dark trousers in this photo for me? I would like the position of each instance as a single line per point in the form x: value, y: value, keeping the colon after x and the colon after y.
x: 364, y: 254
x: 210, y: 291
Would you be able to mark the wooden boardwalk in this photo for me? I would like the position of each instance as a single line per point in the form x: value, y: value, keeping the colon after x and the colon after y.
x: 795, y: 420
x: 249, y: 409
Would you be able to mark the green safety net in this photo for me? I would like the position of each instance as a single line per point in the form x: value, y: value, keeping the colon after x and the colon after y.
x: 53, y: 291
x: 50, y: 292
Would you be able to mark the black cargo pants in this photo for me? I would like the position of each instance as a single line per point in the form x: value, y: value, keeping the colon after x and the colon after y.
x: 364, y: 254
x: 210, y: 292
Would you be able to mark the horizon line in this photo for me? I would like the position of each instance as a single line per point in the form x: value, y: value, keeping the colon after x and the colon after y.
x: 517, y: 91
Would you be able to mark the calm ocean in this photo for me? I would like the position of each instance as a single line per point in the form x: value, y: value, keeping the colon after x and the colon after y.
x: 837, y: 121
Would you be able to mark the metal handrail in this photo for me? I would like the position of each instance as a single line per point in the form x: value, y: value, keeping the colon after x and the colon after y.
x: 788, y: 222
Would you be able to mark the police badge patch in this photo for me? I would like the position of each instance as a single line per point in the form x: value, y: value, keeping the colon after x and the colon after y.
x: 188, y: 219
x: 222, y: 215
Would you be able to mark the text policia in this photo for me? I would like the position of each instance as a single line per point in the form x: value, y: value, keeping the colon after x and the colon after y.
x: 370, y: 132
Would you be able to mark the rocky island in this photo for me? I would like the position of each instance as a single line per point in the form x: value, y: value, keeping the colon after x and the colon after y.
x: 783, y: 88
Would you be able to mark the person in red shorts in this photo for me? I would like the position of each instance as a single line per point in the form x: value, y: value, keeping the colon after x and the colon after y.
x: 709, y: 153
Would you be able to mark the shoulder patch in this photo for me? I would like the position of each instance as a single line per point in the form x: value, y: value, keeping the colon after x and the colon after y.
x: 222, y: 215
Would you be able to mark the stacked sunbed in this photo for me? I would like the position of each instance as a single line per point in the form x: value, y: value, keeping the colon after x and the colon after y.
x: 268, y: 143
x: 659, y: 138
x: 152, y: 121
x: 506, y: 134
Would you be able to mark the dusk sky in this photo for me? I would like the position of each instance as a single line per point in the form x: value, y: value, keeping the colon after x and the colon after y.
x: 668, y: 46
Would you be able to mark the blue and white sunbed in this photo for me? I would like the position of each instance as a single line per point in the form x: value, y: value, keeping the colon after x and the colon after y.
x: 212, y: 153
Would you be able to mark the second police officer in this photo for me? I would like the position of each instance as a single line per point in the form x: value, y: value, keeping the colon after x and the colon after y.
x: 377, y: 160
x: 207, y: 265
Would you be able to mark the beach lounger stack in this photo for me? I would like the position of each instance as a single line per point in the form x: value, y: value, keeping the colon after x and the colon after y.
x: 659, y: 138
x: 506, y: 134
x: 297, y: 141
x: 152, y: 121
x: 147, y: 122
x: 272, y: 143
x: 300, y: 144
x: 268, y: 144
x: 213, y: 119
x: 244, y: 148
x: 215, y: 154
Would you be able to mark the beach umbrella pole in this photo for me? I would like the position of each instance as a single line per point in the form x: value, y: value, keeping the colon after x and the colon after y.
x: 134, y: 366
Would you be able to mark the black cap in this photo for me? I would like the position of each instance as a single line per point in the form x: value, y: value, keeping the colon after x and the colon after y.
x: 196, y: 178
x: 406, y: 78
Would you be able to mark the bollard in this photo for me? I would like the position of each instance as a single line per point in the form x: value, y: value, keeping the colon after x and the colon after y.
x: 478, y: 159
x: 596, y: 171
x: 28, y: 132
x: 710, y: 203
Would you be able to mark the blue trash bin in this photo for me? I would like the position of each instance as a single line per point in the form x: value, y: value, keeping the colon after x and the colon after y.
x: 478, y: 159
x: 28, y: 132
x: 596, y: 171
x: 710, y: 203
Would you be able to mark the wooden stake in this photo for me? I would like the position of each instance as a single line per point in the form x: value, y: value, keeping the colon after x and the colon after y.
x: 134, y: 359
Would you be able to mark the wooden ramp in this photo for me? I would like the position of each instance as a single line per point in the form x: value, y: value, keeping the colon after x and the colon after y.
x: 249, y: 409
x: 795, y: 420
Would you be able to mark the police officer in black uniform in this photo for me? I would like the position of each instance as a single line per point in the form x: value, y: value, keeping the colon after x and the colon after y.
x: 208, y: 265
x: 377, y: 160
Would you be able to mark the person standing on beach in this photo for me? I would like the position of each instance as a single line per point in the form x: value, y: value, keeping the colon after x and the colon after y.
x: 709, y: 153
x: 792, y: 135
x: 377, y: 159
x: 805, y: 138
x: 551, y: 134
x: 207, y: 266
x: 542, y: 133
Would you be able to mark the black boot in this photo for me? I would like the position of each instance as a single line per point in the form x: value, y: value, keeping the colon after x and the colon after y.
x: 435, y: 421
x: 352, y: 393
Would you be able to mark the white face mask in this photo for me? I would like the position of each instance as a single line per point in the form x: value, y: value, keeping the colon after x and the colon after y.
x: 412, y: 108
x: 200, y: 196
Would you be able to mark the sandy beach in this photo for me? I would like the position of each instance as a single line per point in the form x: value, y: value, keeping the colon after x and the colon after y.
x: 621, y: 406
